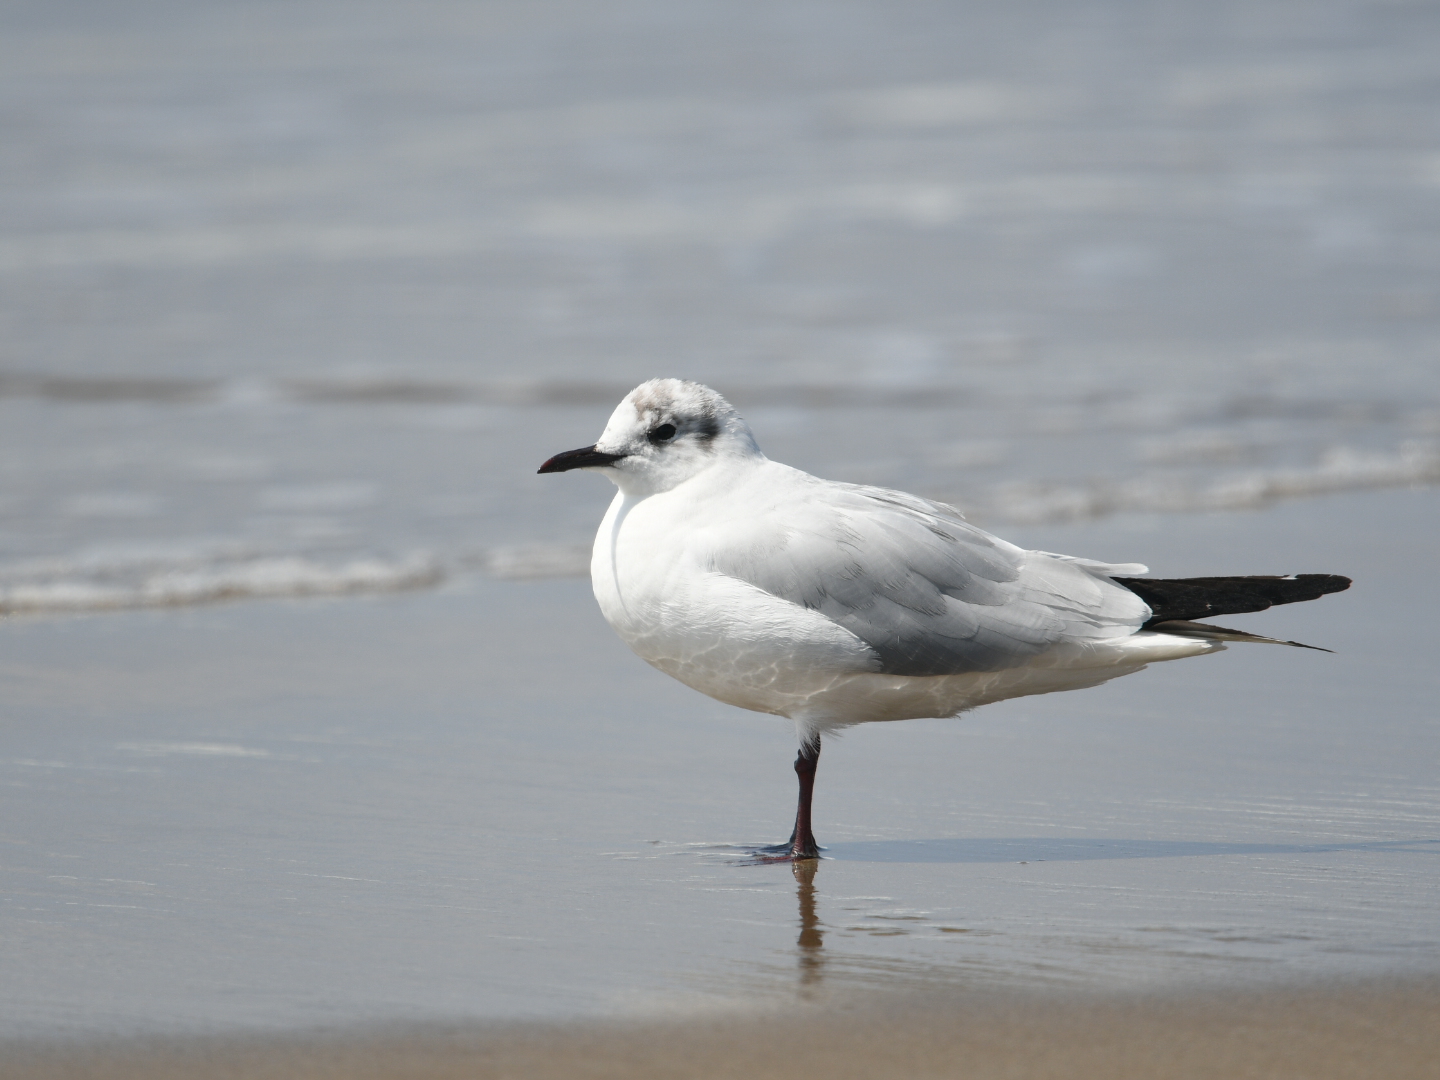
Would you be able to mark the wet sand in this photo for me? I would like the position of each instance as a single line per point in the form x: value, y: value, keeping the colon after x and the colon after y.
x: 1369, y: 1030
x: 473, y: 807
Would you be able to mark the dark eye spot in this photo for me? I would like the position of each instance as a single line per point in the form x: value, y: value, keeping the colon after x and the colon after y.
x: 663, y: 433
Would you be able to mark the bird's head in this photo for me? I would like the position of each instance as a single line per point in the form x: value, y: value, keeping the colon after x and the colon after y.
x: 664, y: 432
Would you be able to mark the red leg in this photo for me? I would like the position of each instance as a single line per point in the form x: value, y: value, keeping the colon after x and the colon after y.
x: 802, y: 839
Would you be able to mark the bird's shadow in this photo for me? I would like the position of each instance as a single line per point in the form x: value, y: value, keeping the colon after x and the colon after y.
x: 1074, y: 849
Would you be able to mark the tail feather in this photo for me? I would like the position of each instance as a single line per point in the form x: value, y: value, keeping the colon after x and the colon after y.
x: 1210, y: 632
x: 1186, y: 599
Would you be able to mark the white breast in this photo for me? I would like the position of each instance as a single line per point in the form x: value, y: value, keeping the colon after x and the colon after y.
x: 722, y: 636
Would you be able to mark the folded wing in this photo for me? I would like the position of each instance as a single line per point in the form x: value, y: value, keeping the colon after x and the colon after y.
x: 928, y: 592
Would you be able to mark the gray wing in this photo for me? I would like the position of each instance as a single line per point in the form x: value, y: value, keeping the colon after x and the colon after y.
x: 928, y: 592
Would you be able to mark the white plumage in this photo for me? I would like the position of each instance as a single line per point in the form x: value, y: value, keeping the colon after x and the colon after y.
x: 835, y: 604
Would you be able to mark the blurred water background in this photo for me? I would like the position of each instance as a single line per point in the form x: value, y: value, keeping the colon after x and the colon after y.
x: 295, y: 297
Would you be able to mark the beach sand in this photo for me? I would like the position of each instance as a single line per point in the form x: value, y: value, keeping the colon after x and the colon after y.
x: 1359, y: 1030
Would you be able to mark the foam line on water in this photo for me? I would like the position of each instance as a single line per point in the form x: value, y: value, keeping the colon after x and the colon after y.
x: 200, y: 571
x: 1339, y: 469
x: 271, y: 576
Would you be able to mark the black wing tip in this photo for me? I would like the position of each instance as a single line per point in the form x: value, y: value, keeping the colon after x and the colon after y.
x: 1204, y: 597
x: 1325, y: 583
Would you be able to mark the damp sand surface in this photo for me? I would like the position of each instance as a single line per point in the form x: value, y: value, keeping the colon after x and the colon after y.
x: 444, y: 811
x: 1352, y: 1032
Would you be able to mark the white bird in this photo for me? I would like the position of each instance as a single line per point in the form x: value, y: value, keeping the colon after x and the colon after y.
x: 836, y: 604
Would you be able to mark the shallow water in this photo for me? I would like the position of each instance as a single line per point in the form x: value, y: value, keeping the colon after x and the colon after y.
x: 473, y: 803
x: 295, y: 298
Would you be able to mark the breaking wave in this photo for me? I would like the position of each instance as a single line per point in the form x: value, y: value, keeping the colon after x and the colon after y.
x: 523, y: 562
x: 117, y: 578
x: 90, y: 585
x: 1339, y: 469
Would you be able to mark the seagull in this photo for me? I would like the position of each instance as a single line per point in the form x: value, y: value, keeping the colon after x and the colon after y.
x: 837, y: 604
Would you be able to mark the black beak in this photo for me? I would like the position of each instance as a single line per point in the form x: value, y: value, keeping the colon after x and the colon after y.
x: 587, y: 457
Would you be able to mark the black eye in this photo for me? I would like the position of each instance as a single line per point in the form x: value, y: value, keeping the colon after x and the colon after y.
x: 663, y: 433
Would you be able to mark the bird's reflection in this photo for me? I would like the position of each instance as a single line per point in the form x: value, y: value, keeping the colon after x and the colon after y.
x: 811, y: 943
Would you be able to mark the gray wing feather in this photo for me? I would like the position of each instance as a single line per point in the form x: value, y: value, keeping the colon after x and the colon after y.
x: 928, y: 592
